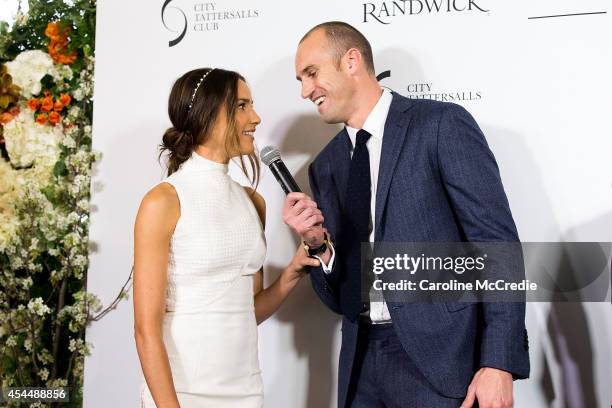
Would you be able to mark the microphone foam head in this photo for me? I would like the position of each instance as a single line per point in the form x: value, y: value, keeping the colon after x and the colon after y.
x: 269, y: 154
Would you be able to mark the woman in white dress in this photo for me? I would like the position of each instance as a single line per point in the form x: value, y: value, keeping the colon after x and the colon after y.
x: 199, y: 248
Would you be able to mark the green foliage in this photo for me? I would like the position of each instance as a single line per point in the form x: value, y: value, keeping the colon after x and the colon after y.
x: 44, y: 305
x: 29, y: 34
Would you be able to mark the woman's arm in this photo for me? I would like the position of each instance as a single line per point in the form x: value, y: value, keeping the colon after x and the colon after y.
x: 267, y: 301
x: 155, y: 222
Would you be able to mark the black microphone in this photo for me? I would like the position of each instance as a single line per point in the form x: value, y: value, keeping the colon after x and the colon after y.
x: 270, y: 156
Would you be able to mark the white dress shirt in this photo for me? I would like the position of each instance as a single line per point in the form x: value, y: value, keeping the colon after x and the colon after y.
x: 375, y: 125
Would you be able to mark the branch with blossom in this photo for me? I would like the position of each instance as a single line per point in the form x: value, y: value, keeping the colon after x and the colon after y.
x: 46, y: 74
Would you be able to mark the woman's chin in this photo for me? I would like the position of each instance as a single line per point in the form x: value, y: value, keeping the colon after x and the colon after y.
x: 245, y: 151
x: 248, y: 148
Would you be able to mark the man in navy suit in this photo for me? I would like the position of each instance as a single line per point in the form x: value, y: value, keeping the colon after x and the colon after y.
x: 402, y: 171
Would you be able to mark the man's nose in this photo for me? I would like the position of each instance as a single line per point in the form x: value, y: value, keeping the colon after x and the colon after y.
x: 306, y: 89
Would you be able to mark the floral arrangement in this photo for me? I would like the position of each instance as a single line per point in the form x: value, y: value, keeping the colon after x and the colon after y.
x: 46, y: 86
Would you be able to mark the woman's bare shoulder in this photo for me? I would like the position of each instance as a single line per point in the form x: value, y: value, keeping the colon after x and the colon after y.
x: 161, y: 200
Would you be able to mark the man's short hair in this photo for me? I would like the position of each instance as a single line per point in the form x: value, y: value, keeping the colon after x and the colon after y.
x: 342, y: 37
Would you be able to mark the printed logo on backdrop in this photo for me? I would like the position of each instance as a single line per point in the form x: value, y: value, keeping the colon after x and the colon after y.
x: 197, y: 17
x: 385, y: 12
x: 427, y: 90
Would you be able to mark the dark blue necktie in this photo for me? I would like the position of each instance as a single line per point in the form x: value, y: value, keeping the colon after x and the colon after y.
x: 355, y: 226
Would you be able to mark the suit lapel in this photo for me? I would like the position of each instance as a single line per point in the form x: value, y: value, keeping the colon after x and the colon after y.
x: 396, y: 127
x: 341, y: 164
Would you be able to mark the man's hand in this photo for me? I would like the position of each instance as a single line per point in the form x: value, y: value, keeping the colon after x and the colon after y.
x: 491, y: 387
x: 301, y: 214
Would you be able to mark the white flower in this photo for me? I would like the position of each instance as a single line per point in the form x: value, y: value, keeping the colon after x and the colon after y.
x: 9, y: 195
x: 79, y: 261
x: 37, y: 306
x: 68, y: 142
x: 43, y: 374
x: 78, y: 94
x: 34, y: 244
x: 80, y: 184
x: 76, y: 344
x: 73, y: 112
x: 27, y: 69
x: 73, y: 218
x: 83, y: 205
x: 27, y: 344
x: 60, y: 72
x: 11, y: 341
x: 27, y: 282
x: 27, y: 141
x: 58, y: 382
x: 16, y: 263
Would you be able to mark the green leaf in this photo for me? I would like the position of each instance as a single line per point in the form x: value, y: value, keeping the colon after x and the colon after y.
x: 60, y: 169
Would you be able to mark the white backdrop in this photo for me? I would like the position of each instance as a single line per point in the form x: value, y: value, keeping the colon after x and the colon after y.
x: 539, y: 89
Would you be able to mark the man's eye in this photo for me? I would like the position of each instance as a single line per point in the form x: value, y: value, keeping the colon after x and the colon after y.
x: 312, y: 73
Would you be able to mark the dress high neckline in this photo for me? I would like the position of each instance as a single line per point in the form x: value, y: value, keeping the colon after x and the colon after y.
x: 202, y: 162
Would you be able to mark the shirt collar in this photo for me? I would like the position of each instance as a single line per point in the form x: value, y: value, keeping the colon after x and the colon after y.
x: 375, y: 122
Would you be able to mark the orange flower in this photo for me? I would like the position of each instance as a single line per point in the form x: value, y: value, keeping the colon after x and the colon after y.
x: 14, y: 110
x: 5, y: 117
x: 59, y: 43
x: 65, y: 99
x: 54, y: 118
x: 67, y: 59
x: 33, y: 104
x: 47, y: 104
x: 58, y: 106
x: 41, y: 118
x: 52, y: 30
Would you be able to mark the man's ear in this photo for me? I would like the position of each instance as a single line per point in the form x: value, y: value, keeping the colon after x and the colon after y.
x: 353, y: 60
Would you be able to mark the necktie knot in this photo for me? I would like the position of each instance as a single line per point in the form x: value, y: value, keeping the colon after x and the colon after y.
x: 362, y: 137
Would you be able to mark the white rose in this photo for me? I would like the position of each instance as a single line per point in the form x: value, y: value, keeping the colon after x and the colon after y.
x: 28, y: 68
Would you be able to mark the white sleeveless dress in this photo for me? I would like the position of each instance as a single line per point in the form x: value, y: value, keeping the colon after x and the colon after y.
x: 210, y: 331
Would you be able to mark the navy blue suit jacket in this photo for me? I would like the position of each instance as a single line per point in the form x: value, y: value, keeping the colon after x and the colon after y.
x: 438, y: 181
